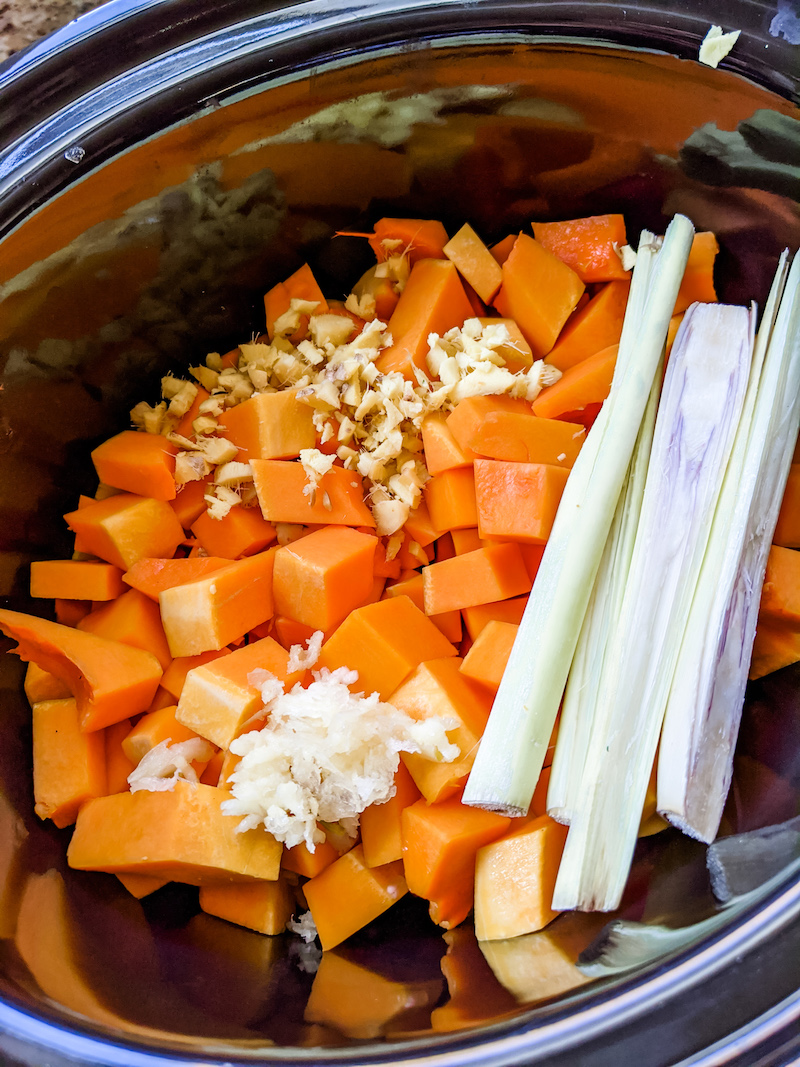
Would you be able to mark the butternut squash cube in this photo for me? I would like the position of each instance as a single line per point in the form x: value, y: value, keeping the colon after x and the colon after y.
x: 151, y: 730
x: 180, y: 835
x: 73, y: 579
x: 125, y: 528
x: 262, y: 906
x: 269, y: 426
x: 69, y: 765
x: 133, y: 619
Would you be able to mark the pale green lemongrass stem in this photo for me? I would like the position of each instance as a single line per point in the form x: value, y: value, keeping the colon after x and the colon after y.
x: 512, y: 750
x: 701, y: 403
x: 705, y: 705
x: 565, y: 789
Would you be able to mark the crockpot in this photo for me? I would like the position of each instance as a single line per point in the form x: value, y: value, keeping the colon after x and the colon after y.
x: 162, y: 163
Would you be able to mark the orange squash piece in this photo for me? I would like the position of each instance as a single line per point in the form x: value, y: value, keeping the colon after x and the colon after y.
x: 324, y: 576
x: 517, y: 501
x: 217, y: 700
x: 539, y: 293
x: 190, y: 503
x: 514, y: 879
x: 516, y: 351
x: 180, y: 835
x: 478, y: 617
x: 448, y: 622
x: 41, y: 685
x: 133, y: 619
x: 419, y: 525
x: 775, y: 646
x: 780, y: 595
x: 269, y: 426
x: 475, y: 262
x: 588, y: 382
x: 487, y: 659
x: 151, y: 730
x: 301, y: 860
x: 70, y: 612
x: 502, y: 250
x: 382, y: 290
x: 433, y: 301
x: 125, y: 528
x: 141, y: 463
x: 698, y: 277
x: 440, y: 843
x: 450, y: 498
x: 262, y: 906
x: 787, y: 531
x: 118, y: 766
x: 348, y: 894
x: 110, y: 681
x: 140, y: 885
x: 71, y: 579
x: 174, y: 677
x: 186, y: 426
x: 416, y: 238
x: 466, y: 540
x: 153, y: 576
x: 339, y: 498
x: 69, y: 765
x: 242, y: 532
x: 495, y: 572
x: 507, y: 435
x: 442, y: 451
x: 467, y: 417
x: 384, y: 642
x: 587, y: 245
x: 381, y: 824
x: 438, y: 688
x: 592, y: 328
x: 215, y: 611
x: 302, y: 285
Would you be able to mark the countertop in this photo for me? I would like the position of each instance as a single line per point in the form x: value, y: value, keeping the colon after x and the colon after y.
x: 23, y: 21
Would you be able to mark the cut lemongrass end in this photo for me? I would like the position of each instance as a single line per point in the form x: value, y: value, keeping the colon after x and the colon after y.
x: 701, y: 402
x: 513, y: 747
x: 705, y: 704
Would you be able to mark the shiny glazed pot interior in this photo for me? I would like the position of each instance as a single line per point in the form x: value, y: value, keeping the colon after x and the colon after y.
x: 143, y: 214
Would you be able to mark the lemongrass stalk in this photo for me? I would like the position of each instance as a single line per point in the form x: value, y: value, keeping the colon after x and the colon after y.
x: 512, y: 750
x: 704, y: 710
x: 565, y: 789
x: 701, y: 403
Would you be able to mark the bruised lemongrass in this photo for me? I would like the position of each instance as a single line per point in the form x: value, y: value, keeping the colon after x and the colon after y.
x: 512, y: 750
x: 701, y: 403
x: 579, y: 706
x: 705, y: 704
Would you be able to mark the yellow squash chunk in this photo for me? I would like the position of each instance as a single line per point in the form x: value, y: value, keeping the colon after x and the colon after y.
x: 211, y: 613
x: 69, y: 766
x: 514, y: 879
x: 269, y: 426
x: 180, y: 835
x: 262, y: 906
x: 217, y: 700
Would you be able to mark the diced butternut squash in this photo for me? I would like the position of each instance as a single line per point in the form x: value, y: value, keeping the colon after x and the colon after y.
x: 141, y: 463
x: 476, y: 618
x: 381, y: 824
x: 140, y: 885
x: 588, y: 245
x: 118, y: 766
x: 448, y: 622
x: 419, y: 525
x: 212, y: 612
x: 514, y: 879
x: 475, y: 262
x: 69, y: 765
x: 180, y: 835
x: 70, y: 612
x: 321, y: 578
x: 242, y: 532
x: 433, y: 301
x: 381, y: 289
x: 520, y: 438
x: 487, y: 659
x: 339, y: 497
x: 442, y: 451
x: 300, y: 859
x: 775, y: 646
x: 133, y: 619
x: 174, y: 677
x: 440, y: 843
x: 450, y: 498
x: 495, y: 572
x: 153, y: 576
x: 517, y: 501
x: 502, y: 250
x: 186, y: 426
x: 217, y: 699
x: 787, y: 531
x: 384, y: 642
x: 588, y: 382
x: 467, y: 417
x: 125, y: 528
x: 780, y: 595
x: 71, y: 579
x: 438, y: 688
x: 592, y: 328
x: 302, y: 285
x: 110, y: 681
x: 698, y: 278
x: 466, y: 540
x: 151, y: 730
x: 348, y: 894
x: 41, y: 685
x: 190, y: 503
x: 262, y: 906
x: 289, y: 632
x: 269, y: 426
x: 539, y: 292
x: 416, y: 238
x: 515, y: 351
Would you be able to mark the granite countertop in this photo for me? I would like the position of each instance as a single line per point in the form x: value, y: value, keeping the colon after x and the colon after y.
x: 23, y: 21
